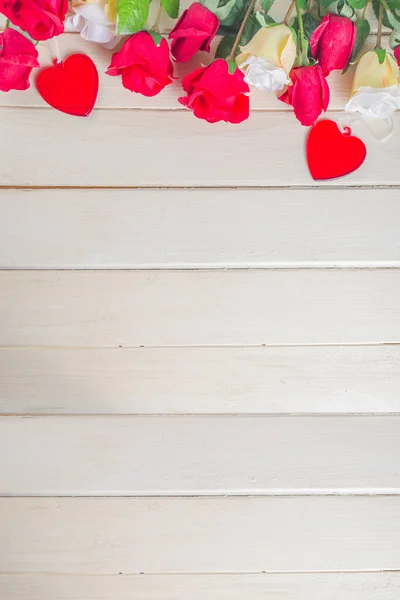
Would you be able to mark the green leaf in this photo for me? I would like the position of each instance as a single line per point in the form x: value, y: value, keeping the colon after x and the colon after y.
x: 225, y: 47
x: 310, y: 25
x: 210, y: 4
x: 381, y: 54
x: 250, y: 30
x: 156, y: 37
x: 376, y: 6
x: 222, y: 12
x: 362, y: 32
x: 265, y: 20
x: 302, y: 4
x: 394, y: 39
x: 171, y: 7
x: 357, y: 4
x: 231, y: 66
x: 348, y: 11
x: 233, y: 20
x: 131, y: 15
x: 266, y: 5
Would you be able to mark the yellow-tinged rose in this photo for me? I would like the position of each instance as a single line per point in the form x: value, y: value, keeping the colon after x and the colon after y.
x: 109, y: 7
x: 274, y: 45
x: 370, y: 73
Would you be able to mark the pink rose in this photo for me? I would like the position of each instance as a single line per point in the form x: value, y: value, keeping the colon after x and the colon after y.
x: 194, y: 31
x: 145, y: 66
x: 332, y: 43
x: 397, y: 54
x: 18, y: 56
x: 42, y: 19
x: 308, y: 94
x: 214, y: 94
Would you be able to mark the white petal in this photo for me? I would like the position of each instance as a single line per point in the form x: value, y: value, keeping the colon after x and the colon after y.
x: 74, y: 23
x: 92, y: 32
x: 377, y: 103
x: 93, y: 12
x: 264, y: 76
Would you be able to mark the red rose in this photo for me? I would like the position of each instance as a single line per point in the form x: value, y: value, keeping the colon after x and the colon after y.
x: 194, y: 31
x: 308, y: 94
x: 214, y: 94
x: 397, y: 54
x: 332, y: 42
x: 18, y: 56
x: 145, y: 66
x: 42, y: 19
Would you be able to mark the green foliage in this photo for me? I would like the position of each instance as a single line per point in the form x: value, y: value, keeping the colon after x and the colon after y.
x: 231, y: 66
x: 358, y: 4
x: 264, y: 19
x: 302, y: 4
x: 381, y: 54
x: 266, y: 5
x: 131, y: 15
x: 394, y: 39
x: 391, y: 17
x: 156, y: 37
x: 225, y: 46
x: 171, y: 7
x: 310, y: 25
x: 362, y: 29
x: 223, y: 12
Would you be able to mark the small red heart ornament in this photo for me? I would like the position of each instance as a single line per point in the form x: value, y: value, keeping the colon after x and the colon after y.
x: 71, y: 85
x: 331, y: 153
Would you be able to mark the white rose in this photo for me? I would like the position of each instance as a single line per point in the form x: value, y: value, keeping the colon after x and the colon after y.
x: 92, y: 22
x: 263, y: 75
x: 378, y: 103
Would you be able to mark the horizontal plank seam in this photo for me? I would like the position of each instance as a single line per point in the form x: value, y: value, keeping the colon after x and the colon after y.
x: 204, y: 347
x: 197, y: 188
x: 29, y: 415
x: 150, y: 574
x: 220, y: 494
x: 235, y: 266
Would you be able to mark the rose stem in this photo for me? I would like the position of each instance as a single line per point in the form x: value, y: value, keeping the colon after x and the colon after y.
x: 7, y: 23
x: 156, y: 26
x: 289, y: 12
x: 304, y: 58
x: 380, y: 22
x: 240, y: 32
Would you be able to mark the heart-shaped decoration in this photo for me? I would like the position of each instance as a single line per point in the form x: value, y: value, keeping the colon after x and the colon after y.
x: 331, y: 153
x: 71, y: 85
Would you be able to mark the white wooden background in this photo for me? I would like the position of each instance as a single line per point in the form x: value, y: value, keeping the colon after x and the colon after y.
x: 199, y: 355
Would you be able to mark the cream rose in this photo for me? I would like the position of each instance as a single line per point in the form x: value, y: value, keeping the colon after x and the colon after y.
x: 268, y: 58
x: 375, y: 92
x: 95, y: 21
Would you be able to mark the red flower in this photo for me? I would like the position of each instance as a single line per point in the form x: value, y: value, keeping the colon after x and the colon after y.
x: 145, y: 66
x: 18, y: 56
x: 42, y: 19
x: 332, y: 42
x: 214, y: 94
x: 194, y: 31
x: 308, y: 94
x: 397, y: 54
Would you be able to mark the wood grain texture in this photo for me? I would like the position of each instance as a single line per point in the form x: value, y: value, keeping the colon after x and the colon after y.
x: 199, y: 228
x: 333, y: 379
x: 187, y: 308
x: 146, y: 456
x: 113, y: 95
x: 283, y: 586
x: 168, y: 148
x: 189, y: 535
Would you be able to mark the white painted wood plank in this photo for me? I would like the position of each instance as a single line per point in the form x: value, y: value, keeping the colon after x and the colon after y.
x: 199, y: 228
x: 332, y: 379
x: 188, y: 308
x: 113, y: 95
x: 279, y: 586
x: 178, y: 535
x: 147, y: 456
x: 168, y: 148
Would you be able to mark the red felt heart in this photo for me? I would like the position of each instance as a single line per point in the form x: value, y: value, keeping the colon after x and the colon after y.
x: 331, y: 153
x: 71, y: 85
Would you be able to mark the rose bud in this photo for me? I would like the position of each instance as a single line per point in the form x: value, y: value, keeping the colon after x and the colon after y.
x: 18, y: 56
x: 42, y: 19
x: 308, y: 94
x: 145, y: 66
x: 332, y: 43
x: 215, y: 94
x: 268, y: 58
x: 375, y: 91
x: 397, y: 54
x: 193, y: 31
